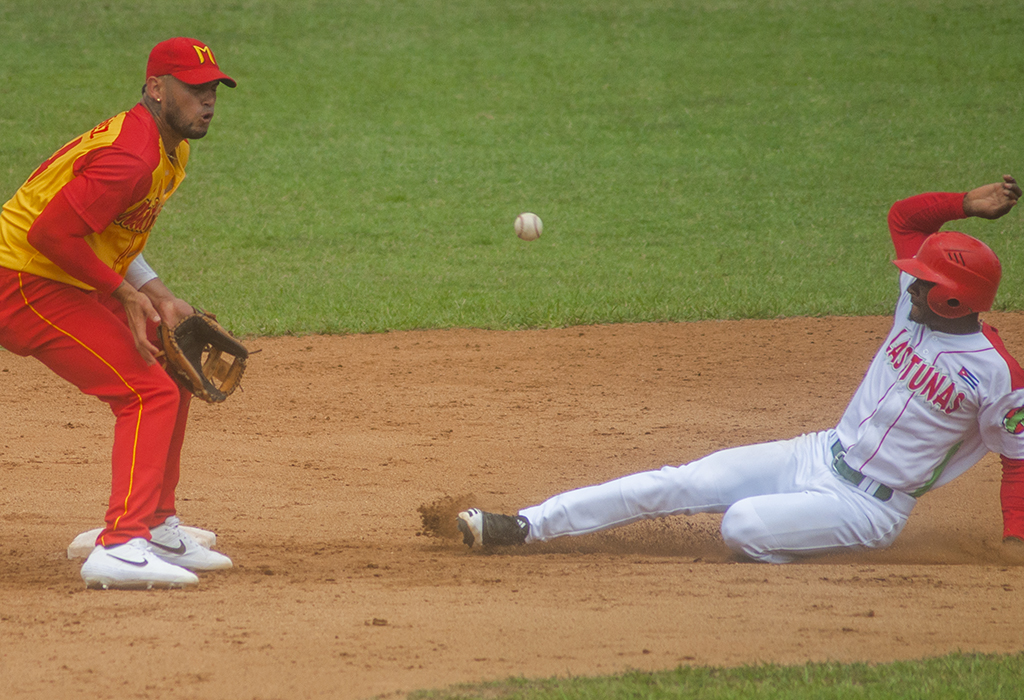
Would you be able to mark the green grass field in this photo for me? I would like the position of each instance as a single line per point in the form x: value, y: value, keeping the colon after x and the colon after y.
x: 954, y: 677
x: 690, y: 160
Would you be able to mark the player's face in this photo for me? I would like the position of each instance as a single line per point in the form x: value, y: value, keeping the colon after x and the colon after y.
x: 188, y: 109
x: 920, y: 312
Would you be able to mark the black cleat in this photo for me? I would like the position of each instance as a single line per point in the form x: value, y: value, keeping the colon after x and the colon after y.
x: 480, y: 529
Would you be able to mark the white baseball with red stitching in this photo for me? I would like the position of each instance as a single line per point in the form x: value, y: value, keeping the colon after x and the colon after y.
x: 529, y: 226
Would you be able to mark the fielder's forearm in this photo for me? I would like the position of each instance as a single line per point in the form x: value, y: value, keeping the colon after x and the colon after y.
x: 139, y: 272
x: 59, y: 234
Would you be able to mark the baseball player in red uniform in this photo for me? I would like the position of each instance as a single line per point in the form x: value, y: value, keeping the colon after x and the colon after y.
x: 940, y: 394
x: 76, y: 294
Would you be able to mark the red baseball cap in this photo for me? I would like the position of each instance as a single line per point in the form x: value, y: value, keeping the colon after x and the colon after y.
x: 189, y: 60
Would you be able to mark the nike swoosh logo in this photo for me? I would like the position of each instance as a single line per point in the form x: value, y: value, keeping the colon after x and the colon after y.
x: 139, y: 564
x: 180, y: 549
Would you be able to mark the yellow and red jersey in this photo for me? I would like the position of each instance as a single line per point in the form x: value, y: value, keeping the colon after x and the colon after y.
x: 116, y: 177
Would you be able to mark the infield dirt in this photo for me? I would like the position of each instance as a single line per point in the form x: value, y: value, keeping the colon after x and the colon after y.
x: 333, y: 477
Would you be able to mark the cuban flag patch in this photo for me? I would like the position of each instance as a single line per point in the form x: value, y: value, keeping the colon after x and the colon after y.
x: 968, y: 377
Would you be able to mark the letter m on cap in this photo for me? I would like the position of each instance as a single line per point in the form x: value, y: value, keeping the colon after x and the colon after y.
x: 204, y: 52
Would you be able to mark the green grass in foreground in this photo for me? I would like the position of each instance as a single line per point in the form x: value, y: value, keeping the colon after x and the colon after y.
x: 958, y: 676
x: 690, y: 160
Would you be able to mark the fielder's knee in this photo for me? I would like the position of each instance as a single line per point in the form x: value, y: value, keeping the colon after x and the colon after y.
x: 159, y: 394
x: 745, y: 533
x: 167, y: 392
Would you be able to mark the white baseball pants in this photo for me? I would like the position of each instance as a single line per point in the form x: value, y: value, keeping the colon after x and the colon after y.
x: 780, y: 499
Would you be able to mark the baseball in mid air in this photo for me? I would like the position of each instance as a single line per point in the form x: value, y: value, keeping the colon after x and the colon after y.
x: 528, y: 226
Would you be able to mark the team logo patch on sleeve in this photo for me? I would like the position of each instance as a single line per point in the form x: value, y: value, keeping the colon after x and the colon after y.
x: 966, y: 375
x: 1014, y: 421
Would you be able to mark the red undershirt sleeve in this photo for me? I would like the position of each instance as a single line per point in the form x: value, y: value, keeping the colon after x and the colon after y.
x: 107, y: 183
x: 59, y: 234
x: 913, y: 219
x: 1011, y: 496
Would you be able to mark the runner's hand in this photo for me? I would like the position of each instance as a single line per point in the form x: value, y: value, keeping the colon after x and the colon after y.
x: 992, y: 201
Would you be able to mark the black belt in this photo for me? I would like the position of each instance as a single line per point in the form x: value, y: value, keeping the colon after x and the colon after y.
x: 845, y: 471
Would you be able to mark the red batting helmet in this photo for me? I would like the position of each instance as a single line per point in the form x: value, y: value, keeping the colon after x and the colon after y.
x: 965, y: 271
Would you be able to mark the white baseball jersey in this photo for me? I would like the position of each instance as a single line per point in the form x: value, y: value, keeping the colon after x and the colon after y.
x: 931, y: 405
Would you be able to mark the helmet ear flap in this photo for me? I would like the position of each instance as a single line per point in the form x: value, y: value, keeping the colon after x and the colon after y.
x: 944, y: 304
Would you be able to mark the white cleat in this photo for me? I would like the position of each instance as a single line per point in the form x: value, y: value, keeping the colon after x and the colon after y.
x: 133, y: 565
x: 174, y: 545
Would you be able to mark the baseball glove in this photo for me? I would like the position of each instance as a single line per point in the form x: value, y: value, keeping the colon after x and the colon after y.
x: 203, y: 357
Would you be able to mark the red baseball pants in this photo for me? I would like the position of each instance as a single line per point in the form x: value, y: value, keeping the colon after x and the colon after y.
x: 84, y: 338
